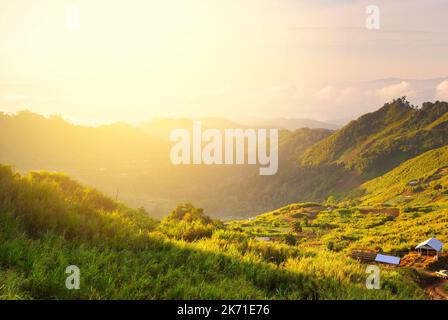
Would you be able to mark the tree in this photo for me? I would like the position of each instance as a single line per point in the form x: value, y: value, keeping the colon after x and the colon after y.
x: 189, y: 223
x: 187, y: 212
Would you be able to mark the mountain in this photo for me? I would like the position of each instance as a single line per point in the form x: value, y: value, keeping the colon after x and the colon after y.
x: 132, y: 164
x: 256, y: 194
x: 31, y: 141
x: 379, y: 141
x: 161, y: 127
x: 349, y: 100
x: 290, y: 124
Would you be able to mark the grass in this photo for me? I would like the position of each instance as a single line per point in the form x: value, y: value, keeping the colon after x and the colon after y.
x: 425, y: 172
x: 49, y: 221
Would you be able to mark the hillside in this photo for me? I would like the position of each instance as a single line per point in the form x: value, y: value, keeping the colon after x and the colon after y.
x: 390, y: 214
x: 345, y: 227
x: 131, y: 164
x: 379, y: 141
x: 48, y: 222
x: 421, y: 180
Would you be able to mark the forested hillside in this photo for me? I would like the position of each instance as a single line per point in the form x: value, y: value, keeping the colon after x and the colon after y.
x: 379, y: 141
x: 132, y: 163
x: 421, y: 180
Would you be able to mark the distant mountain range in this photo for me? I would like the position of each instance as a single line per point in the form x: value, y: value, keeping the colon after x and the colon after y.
x: 290, y: 124
x: 132, y: 163
x: 161, y: 127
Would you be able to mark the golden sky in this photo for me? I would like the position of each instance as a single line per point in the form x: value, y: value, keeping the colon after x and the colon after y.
x: 97, y: 61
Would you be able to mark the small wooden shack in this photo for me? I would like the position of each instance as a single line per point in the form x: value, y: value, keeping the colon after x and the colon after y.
x: 430, y: 247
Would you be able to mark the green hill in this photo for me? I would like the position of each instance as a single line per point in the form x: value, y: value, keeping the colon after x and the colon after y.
x: 379, y: 141
x: 48, y: 222
x: 421, y: 180
x: 130, y: 164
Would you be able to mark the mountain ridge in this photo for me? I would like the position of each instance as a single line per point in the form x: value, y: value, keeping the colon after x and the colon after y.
x: 126, y: 162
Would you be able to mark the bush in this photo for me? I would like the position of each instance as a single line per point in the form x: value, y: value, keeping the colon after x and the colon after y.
x: 188, y: 223
x: 290, y: 239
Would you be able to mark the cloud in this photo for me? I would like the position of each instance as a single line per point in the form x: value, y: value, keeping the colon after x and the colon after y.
x: 346, y: 94
x: 442, y: 90
x: 326, y: 93
x: 336, y: 95
x: 396, y: 90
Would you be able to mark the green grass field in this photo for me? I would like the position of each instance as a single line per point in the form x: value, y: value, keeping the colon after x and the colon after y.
x: 48, y: 222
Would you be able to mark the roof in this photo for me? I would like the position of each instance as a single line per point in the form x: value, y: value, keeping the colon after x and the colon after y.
x: 432, y: 243
x: 387, y: 259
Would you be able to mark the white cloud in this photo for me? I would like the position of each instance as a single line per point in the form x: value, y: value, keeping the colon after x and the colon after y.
x: 336, y: 95
x: 396, y: 90
x: 326, y: 93
x: 346, y: 94
x: 442, y: 90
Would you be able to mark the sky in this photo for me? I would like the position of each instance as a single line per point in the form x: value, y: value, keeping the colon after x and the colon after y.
x: 97, y: 61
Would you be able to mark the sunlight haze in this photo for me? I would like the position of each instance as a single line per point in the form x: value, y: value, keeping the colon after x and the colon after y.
x: 100, y: 61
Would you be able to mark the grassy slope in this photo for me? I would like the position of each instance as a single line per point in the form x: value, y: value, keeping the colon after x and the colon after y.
x: 349, y: 225
x: 48, y: 222
x: 347, y: 228
x: 422, y: 206
x: 425, y: 171
x: 364, y: 223
x: 354, y: 230
x: 381, y: 140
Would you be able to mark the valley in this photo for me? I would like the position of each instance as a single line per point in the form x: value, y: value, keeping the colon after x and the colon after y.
x: 310, y: 249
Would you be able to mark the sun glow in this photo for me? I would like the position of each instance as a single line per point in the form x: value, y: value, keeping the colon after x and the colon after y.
x: 102, y: 60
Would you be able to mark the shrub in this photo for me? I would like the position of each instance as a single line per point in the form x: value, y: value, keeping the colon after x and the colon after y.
x: 290, y: 239
x: 188, y: 223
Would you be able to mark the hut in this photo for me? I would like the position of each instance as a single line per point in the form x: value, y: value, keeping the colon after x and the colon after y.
x: 430, y: 247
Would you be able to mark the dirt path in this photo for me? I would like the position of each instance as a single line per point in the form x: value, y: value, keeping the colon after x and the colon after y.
x: 436, y: 290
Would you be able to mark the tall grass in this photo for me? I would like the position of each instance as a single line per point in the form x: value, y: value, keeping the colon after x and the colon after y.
x: 49, y: 221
